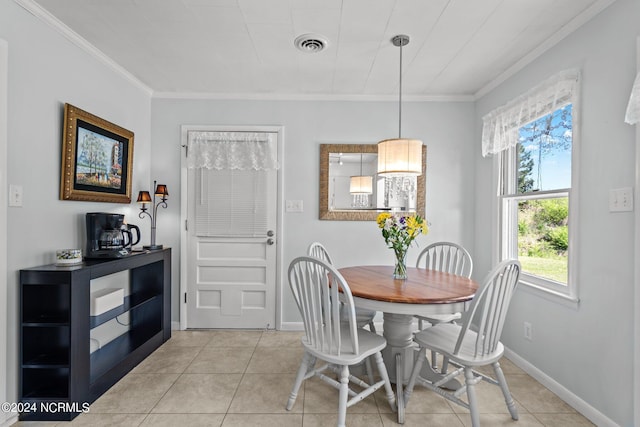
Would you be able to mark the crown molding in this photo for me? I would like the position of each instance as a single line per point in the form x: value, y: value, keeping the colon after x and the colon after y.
x: 572, y: 26
x: 310, y: 97
x: 37, y: 11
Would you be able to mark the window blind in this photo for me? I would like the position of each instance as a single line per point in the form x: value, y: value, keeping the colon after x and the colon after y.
x: 231, y: 203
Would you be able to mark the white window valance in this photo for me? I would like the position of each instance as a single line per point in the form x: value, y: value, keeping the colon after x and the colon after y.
x: 500, y: 129
x: 633, y: 108
x: 232, y: 150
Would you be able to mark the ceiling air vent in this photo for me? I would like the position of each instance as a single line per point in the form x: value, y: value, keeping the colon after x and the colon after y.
x: 311, y: 43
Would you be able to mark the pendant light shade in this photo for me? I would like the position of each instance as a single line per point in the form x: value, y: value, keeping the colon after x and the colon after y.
x: 400, y: 156
x: 361, y: 185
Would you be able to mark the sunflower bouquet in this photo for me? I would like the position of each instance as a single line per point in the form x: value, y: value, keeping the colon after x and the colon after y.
x: 399, y: 232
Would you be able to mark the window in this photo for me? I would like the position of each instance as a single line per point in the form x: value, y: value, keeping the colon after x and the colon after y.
x: 536, y: 150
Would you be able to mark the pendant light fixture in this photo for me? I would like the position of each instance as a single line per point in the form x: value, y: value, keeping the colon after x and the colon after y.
x: 400, y: 156
x: 361, y: 184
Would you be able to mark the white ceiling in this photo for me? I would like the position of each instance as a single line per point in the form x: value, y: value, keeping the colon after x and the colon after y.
x: 459, y: 49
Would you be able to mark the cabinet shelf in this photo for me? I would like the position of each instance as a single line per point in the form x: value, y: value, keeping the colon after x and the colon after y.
x: 48, y: 360
x: 43, y: 323
x: 55, y: 360
x: 103, y: 359
x: 49, y: 383
x: 131, y: 302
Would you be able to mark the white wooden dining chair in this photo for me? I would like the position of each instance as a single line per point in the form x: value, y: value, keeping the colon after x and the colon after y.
x: 450, y: 258
x: 363, y: 317
x: 318, y: 289
x: 470, y: 347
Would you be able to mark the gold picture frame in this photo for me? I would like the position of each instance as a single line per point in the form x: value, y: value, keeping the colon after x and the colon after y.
x: 326, y: 213
x: 97, y: 158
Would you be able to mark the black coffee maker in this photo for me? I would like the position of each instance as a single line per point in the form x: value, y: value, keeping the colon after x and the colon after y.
x: 108, y: 237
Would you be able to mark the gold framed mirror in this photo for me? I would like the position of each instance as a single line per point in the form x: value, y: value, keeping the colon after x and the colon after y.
x: 339, y: 163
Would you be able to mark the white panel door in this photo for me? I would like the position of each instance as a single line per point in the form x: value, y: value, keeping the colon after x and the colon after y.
x: 231, y: 239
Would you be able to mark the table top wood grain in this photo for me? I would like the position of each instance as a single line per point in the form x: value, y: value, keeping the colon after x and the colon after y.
x: 423, y: 286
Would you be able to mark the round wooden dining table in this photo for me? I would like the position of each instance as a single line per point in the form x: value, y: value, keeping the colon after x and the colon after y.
x: 424, y: 292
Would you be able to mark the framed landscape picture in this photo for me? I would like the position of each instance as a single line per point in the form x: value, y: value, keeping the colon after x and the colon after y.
x: 97, y: 157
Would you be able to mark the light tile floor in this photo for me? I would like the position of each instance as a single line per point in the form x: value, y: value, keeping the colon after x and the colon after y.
x: 243, y: 378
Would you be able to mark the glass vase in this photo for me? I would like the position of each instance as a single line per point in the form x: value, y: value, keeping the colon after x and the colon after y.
x: 400, y: 269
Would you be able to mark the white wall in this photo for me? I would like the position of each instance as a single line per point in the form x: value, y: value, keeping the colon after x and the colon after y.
x: 3, y: 221
x: 446, y: 129
x: 45, y: 71
x: 589, y: 351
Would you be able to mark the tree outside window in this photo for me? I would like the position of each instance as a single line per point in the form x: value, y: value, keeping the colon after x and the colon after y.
x: 540, y: 202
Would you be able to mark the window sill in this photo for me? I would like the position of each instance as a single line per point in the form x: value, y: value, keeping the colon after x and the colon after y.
x: 550, y: 295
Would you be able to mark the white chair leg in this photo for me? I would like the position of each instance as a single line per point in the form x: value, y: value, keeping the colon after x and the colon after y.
x: 344, y: 396
x: 414, y: 374
x: 505, y: 391
x: 367, y: 365
x: 434, y: 360
x: 445, y: 365
x: 302, y: 370
x: 471, y: 395
x: 382, y: 370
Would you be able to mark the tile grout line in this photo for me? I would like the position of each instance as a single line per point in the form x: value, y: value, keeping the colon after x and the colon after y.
x: 200, y: 348
x: 235, y: 393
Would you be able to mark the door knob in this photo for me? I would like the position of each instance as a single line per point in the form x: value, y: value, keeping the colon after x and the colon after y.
x: 270, y: 241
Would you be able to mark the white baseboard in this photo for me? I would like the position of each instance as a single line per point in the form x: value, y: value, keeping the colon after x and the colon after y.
x: 291, y: 326
x: 298, y: 326
x: 175, y: 326
x: 591, y: 413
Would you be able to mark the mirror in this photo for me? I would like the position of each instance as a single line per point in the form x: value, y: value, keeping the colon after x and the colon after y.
x: 340, y: 162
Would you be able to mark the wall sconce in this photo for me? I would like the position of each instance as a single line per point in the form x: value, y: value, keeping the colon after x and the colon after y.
x: 144, y: 197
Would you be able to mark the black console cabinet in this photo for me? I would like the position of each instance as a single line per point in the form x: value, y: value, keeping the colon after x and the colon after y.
x: 59, y: 376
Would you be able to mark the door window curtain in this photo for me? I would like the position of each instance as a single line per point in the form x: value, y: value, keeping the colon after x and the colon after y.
x: 230, y: 185
x: 500, y: 129
x: 232, y: 150
x: 633, y: 108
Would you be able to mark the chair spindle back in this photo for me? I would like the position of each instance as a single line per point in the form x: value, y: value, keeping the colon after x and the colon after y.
x: 489, y: 307
x: 448, y: 257
x: 318, y: 289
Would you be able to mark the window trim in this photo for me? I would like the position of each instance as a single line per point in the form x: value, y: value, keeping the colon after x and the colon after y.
x: 568, y: 295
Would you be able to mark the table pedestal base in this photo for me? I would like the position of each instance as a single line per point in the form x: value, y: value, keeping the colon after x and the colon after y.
x: 398, y: 331
x: 399, y: 357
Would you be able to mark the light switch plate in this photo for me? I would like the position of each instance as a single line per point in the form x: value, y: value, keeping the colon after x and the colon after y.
x: 621, y: 200
x: 293, y: 206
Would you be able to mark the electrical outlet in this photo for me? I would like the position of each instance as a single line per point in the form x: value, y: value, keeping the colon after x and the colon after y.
x: 15, y: 195
x: 528, y: 331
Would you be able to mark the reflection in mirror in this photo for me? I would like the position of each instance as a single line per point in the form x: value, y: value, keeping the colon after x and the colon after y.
x: 345, y: 193
x: 346, y: 171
